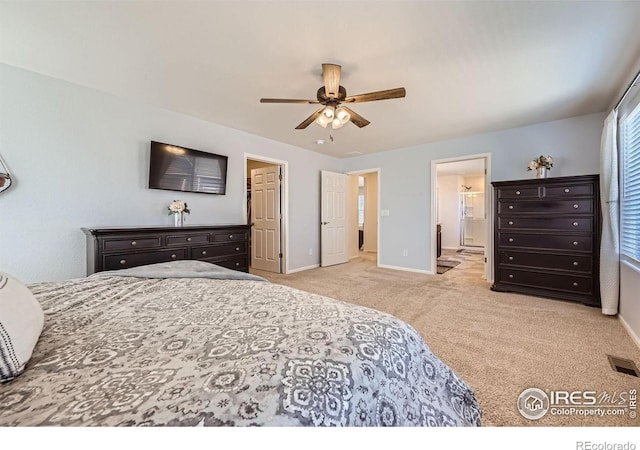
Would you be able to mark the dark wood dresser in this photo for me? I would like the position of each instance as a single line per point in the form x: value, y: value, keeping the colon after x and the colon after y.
x: 547, y: 238
x: 121, y: 248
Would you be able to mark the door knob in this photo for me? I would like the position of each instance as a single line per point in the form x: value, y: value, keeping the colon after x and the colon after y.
x: 324, y: 223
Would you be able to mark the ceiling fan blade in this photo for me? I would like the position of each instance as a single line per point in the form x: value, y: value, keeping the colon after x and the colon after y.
x: 309, y: 120
x: 331, y: 76
x: 356, y: 118
x: 287, y: 100
x: 378, y: 95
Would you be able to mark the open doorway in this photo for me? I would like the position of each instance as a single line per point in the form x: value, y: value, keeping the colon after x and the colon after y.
x: 364, y: 201
x: 265, y: 209
x: 461, y: 215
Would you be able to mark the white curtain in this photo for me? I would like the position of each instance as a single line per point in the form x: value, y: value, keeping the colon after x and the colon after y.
x: 609, y: 246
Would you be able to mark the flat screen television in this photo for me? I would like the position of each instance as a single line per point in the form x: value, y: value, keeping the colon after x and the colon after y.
x: 183, y: 169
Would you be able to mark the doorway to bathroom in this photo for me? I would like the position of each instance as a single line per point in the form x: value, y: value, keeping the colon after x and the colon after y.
x: 460, y: 215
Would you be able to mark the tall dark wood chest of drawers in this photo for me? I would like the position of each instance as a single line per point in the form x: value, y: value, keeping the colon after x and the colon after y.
x: 547, y: 238
x: 121, y: 248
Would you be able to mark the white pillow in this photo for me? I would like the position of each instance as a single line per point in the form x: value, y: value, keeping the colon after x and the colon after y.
x: 21, y: 321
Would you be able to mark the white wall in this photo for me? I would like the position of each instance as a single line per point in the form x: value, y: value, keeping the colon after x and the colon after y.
x: 80, y: 159
x: 574, y: 144
x: 449, y: 210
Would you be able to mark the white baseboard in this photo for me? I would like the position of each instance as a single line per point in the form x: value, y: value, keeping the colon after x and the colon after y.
x: 632, y: 334
x: 406, y: 269
x: 301, y: 269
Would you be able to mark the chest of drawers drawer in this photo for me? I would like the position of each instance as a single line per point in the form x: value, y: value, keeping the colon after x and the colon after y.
x: 551, y: 242
x: 187, y: 239
x: 133, y: 243
x: 573, y: 283
x: 518, y: 192
x: 575, y: 263
x: 584, y: 224
x: 581, y: 206
x: 230, y: 236
x: 569, y: 190
x: 126, y: 260
x: 210, y: 251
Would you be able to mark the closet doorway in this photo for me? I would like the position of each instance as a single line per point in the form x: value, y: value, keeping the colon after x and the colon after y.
x: 461, y: 203
x: 265, y: 209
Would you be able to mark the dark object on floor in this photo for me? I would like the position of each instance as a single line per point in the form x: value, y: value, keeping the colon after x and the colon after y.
x: 623, y: 365
x: 439, y: 240
x: 446, y: 264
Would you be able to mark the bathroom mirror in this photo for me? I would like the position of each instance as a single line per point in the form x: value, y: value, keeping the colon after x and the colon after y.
x: 5, y: 178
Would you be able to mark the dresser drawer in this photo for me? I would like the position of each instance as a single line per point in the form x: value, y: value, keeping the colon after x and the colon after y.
x: 131, y: 243
x: 548, y: 241
x: 520, y: 192
x: 569, y: 190
x: 126, y: 260
x: 230, y: 236
x: 568, y: 283
x: 546, y: 223
x: 182, y: 239
x: 576, y: 263
x: 239, y: 263
x: 546, y: 206
x: 210, y: 251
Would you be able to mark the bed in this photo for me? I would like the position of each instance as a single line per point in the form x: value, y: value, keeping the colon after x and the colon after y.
x: 189, y: 343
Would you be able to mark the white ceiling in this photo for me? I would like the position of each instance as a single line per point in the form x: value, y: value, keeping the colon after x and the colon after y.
x: 468, y: 67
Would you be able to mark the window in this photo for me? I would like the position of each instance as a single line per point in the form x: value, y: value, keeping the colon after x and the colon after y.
x: 630, y: 184
x: 360, y: 210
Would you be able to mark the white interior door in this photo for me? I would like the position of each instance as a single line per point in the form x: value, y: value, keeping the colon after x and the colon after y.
x: 333, y: 237
x: 265, y: 214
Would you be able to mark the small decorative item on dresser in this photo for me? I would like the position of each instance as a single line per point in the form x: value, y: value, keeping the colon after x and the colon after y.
x: 542, y: 165
x: 178, y: 208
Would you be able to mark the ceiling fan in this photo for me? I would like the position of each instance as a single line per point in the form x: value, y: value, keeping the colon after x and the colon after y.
x: 332, y: 96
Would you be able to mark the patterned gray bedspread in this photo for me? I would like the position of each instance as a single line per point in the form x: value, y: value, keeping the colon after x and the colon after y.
x: 195, y: 351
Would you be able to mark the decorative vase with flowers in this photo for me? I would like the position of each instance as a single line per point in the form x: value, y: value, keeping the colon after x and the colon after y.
x: 542, y: 165
x: 178, y: 209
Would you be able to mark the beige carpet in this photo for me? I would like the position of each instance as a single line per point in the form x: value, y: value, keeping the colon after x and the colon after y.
x: 499, y: 343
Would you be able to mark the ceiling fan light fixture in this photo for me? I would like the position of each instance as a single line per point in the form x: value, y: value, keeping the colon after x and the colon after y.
x: 329, y: 112
x: 336, y: 123
x: 323, y: 120
x: 342, y: 115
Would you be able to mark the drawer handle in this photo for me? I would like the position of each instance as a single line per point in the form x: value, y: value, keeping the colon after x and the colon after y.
x: 517, y: 192
x: 231, y: 236
x: 237, y: 249
x: 510, y: 206
x: 575, y: 284
x: 134, y: 243
x: 576, y: 264
x: 123, y: 261
x: 511, y: 222
x: 237, y: 264
x: 575, y: 206
x: 204, y: 252
x: 188, y: 239
x: 575, y: 242
x: 575, y: 224
x: 510, y: 258
x: 510, y: 275
x: 510, y: 239
x: 174, y: 256
x: 567, y: 190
